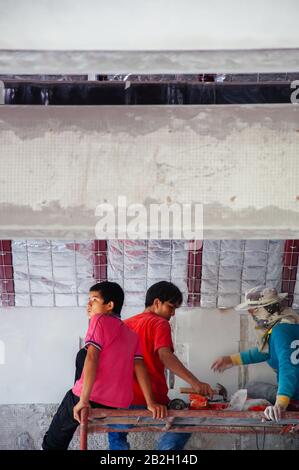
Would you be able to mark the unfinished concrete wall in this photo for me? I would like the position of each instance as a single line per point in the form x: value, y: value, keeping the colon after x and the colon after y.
x: 59, y: 163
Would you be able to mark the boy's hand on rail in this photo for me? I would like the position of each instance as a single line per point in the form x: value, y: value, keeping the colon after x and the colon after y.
x: 159, y: 411
x: 77, y: 410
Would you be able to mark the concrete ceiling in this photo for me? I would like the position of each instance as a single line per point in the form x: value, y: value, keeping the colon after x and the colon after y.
x: 214, y: 36
x: 148, y: 25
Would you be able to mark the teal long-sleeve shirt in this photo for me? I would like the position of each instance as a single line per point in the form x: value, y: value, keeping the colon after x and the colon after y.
x: 283, y: 357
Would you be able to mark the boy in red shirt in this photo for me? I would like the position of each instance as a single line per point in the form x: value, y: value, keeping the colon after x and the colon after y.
x: 111, y: 345
x: 153, y: 329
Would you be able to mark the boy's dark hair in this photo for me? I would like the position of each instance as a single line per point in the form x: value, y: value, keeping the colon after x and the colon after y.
x: 110, y: 291
x: 164, y: 291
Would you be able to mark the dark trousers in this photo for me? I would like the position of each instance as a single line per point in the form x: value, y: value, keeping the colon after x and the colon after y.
x: 63, y: 425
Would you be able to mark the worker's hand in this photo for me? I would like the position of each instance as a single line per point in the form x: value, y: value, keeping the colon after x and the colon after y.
x: 159, y: 411
x: 77, y: 410
x: 202, y: 388
x: 274, y: 413
x: 222, y: 363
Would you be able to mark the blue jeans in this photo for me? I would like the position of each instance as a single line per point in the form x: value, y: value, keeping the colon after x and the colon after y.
x: 168, y: 441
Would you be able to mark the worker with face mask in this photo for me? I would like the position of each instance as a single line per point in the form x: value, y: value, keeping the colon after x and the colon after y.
x: 277, y: 331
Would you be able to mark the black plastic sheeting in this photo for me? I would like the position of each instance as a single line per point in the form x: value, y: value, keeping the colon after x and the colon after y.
x: 138, y: 93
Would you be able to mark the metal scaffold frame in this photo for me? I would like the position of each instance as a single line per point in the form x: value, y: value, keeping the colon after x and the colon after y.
x: 233, y: 422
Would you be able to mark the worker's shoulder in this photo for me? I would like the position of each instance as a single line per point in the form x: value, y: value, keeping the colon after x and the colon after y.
x: 286, y: 330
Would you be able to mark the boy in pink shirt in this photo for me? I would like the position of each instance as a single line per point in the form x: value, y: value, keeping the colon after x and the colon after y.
x: 113, y: 356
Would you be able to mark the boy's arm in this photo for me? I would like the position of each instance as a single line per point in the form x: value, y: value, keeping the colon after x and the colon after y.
x: 89, y: 370
x: 171, y: 362
x: 158, y: 410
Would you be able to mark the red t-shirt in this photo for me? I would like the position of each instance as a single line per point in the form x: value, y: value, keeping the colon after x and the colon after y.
x: 154, y: 333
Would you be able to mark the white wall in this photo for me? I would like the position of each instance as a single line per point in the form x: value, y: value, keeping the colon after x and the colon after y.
x: 40, y: 350
x: 148, y: 24
x: 202, y: 335
x: 41, y: 346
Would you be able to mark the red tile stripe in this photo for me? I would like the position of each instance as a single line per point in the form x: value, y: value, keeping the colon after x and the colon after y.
x: 290, y: 266
x: 194, y: 274
x: 7, y: 290
x: 100, y: 260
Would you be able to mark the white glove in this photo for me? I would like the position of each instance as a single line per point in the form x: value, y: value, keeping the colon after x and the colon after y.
x: 273, y: 413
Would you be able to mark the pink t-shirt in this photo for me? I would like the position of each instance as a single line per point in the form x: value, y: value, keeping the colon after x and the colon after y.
x: 118, y: 346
